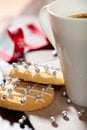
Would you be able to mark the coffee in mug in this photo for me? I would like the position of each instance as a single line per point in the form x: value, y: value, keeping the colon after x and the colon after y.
x: 81, y: 15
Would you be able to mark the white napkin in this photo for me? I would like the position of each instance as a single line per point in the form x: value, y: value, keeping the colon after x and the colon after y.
x: 4, y: 68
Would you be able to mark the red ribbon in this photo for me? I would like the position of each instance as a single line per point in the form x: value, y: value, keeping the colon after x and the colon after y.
x: 17, y: 36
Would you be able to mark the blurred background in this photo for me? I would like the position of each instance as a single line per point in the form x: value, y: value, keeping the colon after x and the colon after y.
x: 9, y: 9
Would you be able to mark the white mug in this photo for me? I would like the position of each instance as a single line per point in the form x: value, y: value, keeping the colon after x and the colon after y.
x: 69, y: 36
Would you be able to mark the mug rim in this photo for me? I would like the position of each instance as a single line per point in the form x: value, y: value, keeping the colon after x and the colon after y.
x: 61, y: 17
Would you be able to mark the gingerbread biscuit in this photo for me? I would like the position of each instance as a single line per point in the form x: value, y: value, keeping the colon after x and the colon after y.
x: 37, y: 73
x: 25, y: 96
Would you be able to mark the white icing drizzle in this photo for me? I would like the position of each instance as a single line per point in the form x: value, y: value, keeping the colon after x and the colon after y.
x: 36, y: 68
x: 40, y: 92
x: 42, y: 100
x: 26, y: 92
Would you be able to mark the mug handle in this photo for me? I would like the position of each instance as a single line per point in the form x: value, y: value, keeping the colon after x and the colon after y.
x: 46, y: 25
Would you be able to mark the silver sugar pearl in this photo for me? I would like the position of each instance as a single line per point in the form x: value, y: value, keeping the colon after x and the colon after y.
x: 35, y: 65
x: 46, y: 67
x: 37, y: 70
x: 21, y: 121
x: 54, y: 52
x: 82, y: 110
x: 22, y: 101
x: 2, y: 85
x: 25, y: 91
x: 14, y: 65
x: 43, y: 90
x: 79, y: 114
x: 64, y: 113
x: 15, y: 85
x: 38, y: 96
x: 64, y: 94
x: 9, y: 79
x: 69, y: 100
x: 4, y: 96
x: 25, y: 65
x: 9, y: 90
x: 24, y: 117
x: 52, y: 119
x: 54, y: 73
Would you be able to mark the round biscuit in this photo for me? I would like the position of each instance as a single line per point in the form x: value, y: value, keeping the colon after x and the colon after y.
x: 37, y: 73
x: 25, y: 96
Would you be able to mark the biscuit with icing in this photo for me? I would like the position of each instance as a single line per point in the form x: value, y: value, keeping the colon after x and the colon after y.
x: 25, y: 96
x: 37, y: 73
